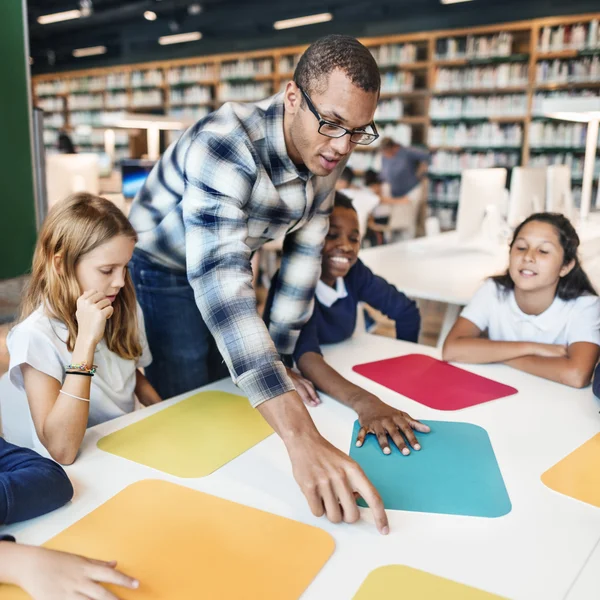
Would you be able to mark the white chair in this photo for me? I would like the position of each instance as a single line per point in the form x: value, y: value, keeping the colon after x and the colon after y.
x: 479, y: 188
x: 559, y: 197
x: 527, y: 193
x: 14, y: 411
x: 405, y: 219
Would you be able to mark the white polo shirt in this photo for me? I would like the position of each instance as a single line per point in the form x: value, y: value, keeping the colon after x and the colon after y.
x: 41, y: 342
x: 494, y: 308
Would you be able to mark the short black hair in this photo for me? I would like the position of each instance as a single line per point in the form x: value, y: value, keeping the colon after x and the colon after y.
x: 343, y: 201
x: 371, y: 177
x: 347, y: 175
x: 337, y: 52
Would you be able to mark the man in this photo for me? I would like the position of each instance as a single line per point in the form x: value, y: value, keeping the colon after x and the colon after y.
x: 243, y: 176
x: 403, y: 169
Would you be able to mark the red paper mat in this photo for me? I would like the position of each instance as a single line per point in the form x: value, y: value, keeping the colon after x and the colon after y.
x: 433, y: 382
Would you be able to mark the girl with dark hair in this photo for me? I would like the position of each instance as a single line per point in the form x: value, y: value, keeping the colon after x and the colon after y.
x: 542, y: 316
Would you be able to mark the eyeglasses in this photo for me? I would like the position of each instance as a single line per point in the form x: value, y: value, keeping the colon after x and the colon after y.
x: 332, y: 130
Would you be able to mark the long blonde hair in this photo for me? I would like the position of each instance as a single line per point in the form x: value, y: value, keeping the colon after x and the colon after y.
x: 73, y: 228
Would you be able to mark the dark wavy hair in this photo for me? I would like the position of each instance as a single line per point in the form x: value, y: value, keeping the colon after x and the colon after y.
x: 337, y: 52
x: 576, y: 283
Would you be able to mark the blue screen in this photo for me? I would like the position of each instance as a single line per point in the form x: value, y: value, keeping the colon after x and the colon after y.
x: 133, y: 175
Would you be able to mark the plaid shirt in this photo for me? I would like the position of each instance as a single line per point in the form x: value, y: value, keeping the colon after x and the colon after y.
x: 218, y: 194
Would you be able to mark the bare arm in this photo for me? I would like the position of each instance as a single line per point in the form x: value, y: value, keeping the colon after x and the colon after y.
x: 144, y: 391
x: 374, y: 416
x: 51, y: 575
x: 326, y: 476
x: 313, y: 366
x: 575, y: 369
x: 60, y: 421
x: 465, y: 344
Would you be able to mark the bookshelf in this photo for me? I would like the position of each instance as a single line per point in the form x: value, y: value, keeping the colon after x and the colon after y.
x: 472, y: 95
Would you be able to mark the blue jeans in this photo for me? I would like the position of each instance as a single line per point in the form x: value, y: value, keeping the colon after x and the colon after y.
x: 184, y: 353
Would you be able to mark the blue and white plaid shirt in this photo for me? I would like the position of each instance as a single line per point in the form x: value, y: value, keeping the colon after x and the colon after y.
x: 218, y: 194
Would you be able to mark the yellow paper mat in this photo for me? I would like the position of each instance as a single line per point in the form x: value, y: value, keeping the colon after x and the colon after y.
x: 186, y: 545
x: 398, y: 581
x: 192, y: 438
x: 578, y: 474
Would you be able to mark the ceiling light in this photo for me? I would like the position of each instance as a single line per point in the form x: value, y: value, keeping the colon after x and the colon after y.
x: 453, y: 1
x: 194, y: 9
x: 91, y: 51
x: 179, y: 38
x: 67, y: 15
x: 86, y: 7
x: 150, y: 15
x: 300, y: 21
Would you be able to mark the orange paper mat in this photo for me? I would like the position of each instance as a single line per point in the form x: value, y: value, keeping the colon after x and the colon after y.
x: 186, y: 545
x: 578, y: 474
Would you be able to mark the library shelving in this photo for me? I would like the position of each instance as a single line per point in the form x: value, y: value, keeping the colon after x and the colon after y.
x: 472, y: 95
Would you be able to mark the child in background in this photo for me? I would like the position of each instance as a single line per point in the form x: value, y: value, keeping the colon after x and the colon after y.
x: 80, y: 339
x: 346, y: 281
x: 364, y: 200
x: 542, y: 316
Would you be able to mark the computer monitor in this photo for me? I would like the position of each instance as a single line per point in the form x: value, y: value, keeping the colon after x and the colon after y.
x: 479, y: 188
x: 559, y: 197
x: 527, y: 193
x: 67, y: 174
x: 133, y: 174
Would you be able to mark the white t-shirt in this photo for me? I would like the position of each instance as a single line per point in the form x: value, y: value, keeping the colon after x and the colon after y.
x: 364, y: 201
x: 494, y: 308
x: 41, y: 342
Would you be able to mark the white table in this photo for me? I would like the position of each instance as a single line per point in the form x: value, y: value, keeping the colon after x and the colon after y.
x: 445, y: 269
x: 535, y: 552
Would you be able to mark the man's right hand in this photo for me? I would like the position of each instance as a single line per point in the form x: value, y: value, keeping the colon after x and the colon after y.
x: 327, y: 477
x: 330, y: 481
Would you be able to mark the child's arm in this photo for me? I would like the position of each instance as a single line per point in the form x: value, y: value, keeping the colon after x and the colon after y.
x: 574, y: 369
x: 30, y: 485
x: 374, y: 415
x: 51, y: 575
x: 464, y: 344
x: 60, y: 420
x: 144, y: 391
x: 383, y: 296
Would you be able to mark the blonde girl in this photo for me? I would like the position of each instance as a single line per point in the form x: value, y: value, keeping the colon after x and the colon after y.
x: 80, y: 339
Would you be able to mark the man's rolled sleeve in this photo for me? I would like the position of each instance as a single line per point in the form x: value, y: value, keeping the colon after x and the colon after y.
x: 218, y: 263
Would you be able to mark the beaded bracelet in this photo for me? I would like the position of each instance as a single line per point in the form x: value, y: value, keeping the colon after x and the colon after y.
x: 82, y: 367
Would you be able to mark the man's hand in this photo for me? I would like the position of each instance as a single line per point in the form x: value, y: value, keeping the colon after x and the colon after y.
x: 327, y: 477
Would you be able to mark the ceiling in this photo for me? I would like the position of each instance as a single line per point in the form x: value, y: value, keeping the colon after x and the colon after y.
x: 237, y: 25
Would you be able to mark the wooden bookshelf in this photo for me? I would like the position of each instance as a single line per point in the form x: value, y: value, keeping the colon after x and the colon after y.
x: 486, y: 51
